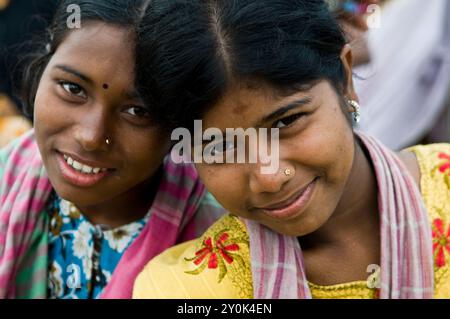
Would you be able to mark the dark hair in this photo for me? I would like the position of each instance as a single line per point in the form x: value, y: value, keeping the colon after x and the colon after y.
x: 189, y: 51
x: 125, y: 13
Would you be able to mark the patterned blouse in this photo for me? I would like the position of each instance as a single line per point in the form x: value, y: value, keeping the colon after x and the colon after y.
x: 82, y: 256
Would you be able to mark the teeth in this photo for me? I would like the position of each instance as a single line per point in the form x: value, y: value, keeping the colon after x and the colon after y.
x: 86, y: 169
x: 77, y: 166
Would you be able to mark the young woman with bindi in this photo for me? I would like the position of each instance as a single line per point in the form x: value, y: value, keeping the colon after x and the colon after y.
x: 343, y: 217
x: 89, y: 196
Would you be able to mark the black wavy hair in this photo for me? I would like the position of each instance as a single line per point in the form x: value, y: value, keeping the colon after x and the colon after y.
x: 126, y: 13
x: 189, y: 51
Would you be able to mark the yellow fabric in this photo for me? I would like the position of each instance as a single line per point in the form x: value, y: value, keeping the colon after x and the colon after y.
x: 166, y: 276
x: 435, y: 189
x: 174, y: 274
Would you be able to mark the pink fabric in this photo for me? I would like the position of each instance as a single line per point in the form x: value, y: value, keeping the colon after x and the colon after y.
x: 159, y: 234
x: 406, y: 243
x: 21, y: 201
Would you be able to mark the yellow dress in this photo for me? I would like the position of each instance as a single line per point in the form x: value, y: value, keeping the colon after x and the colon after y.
x: 218, y: 264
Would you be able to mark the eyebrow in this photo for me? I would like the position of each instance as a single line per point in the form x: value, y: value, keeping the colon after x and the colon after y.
x: 279, y: 112
x: 69, y: 70
x: 284, y: 109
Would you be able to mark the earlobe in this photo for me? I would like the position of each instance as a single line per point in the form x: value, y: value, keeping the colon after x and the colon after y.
x: 347, y: 60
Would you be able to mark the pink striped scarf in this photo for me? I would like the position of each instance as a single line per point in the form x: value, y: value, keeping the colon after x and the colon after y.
x: 406, y: 244
x: 25, y: 189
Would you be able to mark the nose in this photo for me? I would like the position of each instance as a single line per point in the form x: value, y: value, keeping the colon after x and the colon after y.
x: 270, y: 183
x: 91, y: 131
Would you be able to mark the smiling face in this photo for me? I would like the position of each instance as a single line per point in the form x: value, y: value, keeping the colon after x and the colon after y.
x: 316, y: 145
x: 95, y: 135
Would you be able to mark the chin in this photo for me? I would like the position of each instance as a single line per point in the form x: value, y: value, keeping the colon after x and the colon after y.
x: 285, y: 228
x: 301, y: 228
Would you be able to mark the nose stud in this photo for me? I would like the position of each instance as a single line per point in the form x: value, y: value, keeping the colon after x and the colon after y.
x: 107, y: 141
x: 288, y: 172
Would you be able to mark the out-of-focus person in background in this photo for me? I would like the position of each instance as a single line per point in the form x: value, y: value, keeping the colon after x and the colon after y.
x: 404, y: 62
x: 20, y: 21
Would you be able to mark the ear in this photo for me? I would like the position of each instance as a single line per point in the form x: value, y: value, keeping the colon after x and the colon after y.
x: 347, y: 62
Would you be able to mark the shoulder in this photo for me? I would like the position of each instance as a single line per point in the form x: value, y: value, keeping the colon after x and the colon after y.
x: 25, y: 145
x: 18, y: 152
x: 430, y: 167
x: 434, y: 165
x: 433, y: 162
x: 216, y: 265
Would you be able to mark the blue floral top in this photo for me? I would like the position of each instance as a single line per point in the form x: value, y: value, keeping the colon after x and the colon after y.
x: 82, y: 257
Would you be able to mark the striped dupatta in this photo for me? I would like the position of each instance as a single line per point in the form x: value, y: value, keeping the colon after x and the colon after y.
x: 406, y: 243
x: 24, y: 191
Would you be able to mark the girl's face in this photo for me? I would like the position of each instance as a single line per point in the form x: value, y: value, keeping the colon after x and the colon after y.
x: 95, y: 136
x: 316, y: 144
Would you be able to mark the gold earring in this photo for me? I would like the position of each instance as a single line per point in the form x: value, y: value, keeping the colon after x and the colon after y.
x: 107, y: 141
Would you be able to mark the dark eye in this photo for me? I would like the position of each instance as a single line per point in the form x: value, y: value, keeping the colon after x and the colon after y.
x: 218, y: 150
x: 137, y: 111
x: 287, y: 121
x: 73, y: 89
x: 222, y: 147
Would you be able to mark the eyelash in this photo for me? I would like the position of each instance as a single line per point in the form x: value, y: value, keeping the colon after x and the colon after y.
x: 292, y: 118
x: 224, y: 145
x: 147, y: 113
x: 67, y: 90
x: 67, y: 86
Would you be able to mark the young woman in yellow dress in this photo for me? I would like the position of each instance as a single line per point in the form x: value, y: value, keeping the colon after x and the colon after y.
x: 343, y: 217
x: 90, y: 195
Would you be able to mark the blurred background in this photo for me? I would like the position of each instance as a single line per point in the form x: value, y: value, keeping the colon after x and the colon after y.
x: 402, y: 65
x: 403, y: 77
x: 21, y: 21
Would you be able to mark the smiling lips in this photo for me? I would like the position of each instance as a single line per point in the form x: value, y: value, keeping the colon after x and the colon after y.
x: 78, y: 173
x: 293, y: 206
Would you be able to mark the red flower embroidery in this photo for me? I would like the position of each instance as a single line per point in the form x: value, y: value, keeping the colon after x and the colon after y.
x: 218, y: 252
x: 446, y: 165
x: 441, y: 241
x: 220, y: 248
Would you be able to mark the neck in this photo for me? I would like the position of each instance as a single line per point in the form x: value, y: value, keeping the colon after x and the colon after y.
x: 356, y: 217
x: 125, y: 208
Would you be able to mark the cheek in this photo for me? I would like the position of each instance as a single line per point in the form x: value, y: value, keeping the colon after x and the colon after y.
x: 325, y: 148
x: 48, y: 114
x: 225, y: 184
x: 47, y: 119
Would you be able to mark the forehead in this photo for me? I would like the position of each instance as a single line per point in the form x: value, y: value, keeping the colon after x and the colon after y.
x: 102, y: 51
x: 245, y: 105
